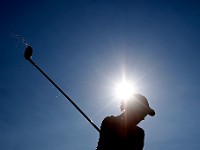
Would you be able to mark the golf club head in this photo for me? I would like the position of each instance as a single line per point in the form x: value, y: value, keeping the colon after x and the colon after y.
x: 28, y: 53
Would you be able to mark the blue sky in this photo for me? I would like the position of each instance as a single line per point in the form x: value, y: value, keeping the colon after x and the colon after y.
x: 86, y: 47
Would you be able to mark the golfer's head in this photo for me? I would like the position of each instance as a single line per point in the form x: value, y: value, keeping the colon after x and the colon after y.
x: 137, y: 104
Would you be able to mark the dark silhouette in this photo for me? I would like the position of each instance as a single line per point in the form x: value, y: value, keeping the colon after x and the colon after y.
x: 121, y: 132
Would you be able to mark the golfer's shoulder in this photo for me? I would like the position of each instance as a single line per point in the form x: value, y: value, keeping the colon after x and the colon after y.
x: 139, y: 130
x: 108, y: 121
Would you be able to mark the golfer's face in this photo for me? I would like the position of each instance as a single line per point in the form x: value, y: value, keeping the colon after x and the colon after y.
x: 136, y: 117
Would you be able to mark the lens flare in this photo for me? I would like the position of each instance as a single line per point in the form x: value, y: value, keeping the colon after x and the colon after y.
x: 124, y: 90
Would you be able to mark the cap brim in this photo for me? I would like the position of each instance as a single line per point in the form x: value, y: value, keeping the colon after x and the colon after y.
x: 151, y: 112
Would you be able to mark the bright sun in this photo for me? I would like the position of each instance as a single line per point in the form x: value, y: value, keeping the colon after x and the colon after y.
x: 124, y: 90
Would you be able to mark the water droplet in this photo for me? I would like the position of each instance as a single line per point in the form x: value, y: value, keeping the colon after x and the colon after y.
x: 58, y: 95
x: 19, y: 41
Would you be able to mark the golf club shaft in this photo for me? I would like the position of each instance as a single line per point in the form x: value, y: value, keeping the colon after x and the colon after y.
x: 59, y: 89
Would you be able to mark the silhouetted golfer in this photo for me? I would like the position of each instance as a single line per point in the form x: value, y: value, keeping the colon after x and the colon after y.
x: 121, y: 132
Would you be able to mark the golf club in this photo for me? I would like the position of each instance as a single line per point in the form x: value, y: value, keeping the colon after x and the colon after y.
x: 28, y: 55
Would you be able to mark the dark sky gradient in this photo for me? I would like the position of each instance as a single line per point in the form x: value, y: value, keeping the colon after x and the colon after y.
x: 86, y: 47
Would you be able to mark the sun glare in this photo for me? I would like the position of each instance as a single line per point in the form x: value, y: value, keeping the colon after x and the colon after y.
x: 124, y: 90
